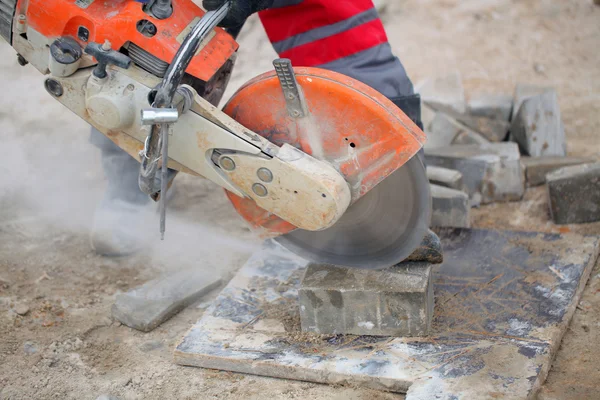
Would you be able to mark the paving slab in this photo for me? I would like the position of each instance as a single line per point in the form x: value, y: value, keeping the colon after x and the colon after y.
x: 495, y: 106
x: 449, y: 178
x: 491, y: 173
x: 396, y: 301
x: 536, y: 168
x: 450, y: 208
x: 503, y: 302
x: 574, y: 194
x: 146, y: 307
x: 538, y: 126
x: 523, y: 91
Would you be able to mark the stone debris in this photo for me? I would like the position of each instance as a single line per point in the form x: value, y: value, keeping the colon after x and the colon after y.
x: 340, y: 300
x: 491, y: 173
x: 430, y: 250
x: 450, y: 208
x: 146, y: 307
x: 494, y: 106
x: 536, y: 168
x: 21, y: 309
x: 538, y: 127
x: 574, y: 194
x: 447, y: 91
x: 450, y: 178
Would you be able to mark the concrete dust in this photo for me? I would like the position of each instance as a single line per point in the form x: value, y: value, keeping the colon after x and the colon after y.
x: 67, y: 347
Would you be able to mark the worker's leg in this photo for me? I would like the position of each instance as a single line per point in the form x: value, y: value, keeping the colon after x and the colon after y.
x: 122, y: 211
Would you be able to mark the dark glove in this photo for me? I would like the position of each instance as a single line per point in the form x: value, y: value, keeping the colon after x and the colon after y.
x: 239, y: 11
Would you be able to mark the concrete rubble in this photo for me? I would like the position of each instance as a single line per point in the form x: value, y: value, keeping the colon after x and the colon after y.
x: 450, y: 208
x: 146, y: 307
x: 491, y: 173
x: 574, y: 194
x: 450, y: 178
x: 538, y: 128
x: 397, y: 301
x: 536, y: 168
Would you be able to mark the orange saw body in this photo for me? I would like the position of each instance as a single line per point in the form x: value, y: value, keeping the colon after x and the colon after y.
x: 321, y: 162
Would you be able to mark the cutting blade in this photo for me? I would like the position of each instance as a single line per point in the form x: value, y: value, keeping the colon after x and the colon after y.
x: 380, y: 230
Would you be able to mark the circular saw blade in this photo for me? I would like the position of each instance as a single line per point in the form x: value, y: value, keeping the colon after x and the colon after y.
x: 380, y: 230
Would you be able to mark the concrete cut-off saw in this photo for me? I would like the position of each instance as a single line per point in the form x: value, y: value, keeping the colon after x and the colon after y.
x: 320, y: 162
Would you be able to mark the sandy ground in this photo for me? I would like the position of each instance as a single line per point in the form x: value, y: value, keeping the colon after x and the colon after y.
x: 66, y: 346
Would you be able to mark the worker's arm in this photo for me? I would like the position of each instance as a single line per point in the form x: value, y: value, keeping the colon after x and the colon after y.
x: 239, y: 11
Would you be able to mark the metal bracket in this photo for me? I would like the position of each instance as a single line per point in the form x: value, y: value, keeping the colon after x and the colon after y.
x: 294, y: 98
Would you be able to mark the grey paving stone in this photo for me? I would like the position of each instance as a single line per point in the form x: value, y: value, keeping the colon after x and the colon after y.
x: 450, y: 178
x: 445, y: 130
x: 495, y: 106
x: 574, y: 194
x: 397, y: 301
x: 450, y: 208
x: 491, y: 173
x: 146, y: 307
x: 536, y: 168
x: 538, y: 127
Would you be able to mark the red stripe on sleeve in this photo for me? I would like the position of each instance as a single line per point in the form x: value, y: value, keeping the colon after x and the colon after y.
x: 337, y: 46
x: 282, y: 23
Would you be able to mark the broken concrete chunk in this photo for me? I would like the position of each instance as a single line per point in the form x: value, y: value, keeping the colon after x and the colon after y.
x: 493, y: 106
x: 445, y: 91
x: 450, y: 208
x: 538, y: 127
x: 492, y: 172
x: 536, y: 168
x: 396, y: 301
x: 151, y: 304
x: 450, y: 178
x: 574, y: 194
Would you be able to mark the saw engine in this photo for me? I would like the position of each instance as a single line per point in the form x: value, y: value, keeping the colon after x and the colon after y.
x: 315, y: 159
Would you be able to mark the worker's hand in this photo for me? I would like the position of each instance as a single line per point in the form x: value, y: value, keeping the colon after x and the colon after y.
x: 239, y: 11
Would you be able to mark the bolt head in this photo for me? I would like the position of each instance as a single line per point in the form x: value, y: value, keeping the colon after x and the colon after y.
x: 265, y: 175
x: 106, y: 46
x: 259, y: 190
x: 227, y: 163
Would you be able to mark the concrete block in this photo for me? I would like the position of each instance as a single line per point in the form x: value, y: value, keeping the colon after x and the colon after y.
x: 447, y: 91
x: 493, y: 106
x: 493, y: 130
x: 523, y: 91
x: 574, y: 194
x: 445, y: 130
x: 397, y: 301
x: 151, y: 304
x: 538, y: 127
x: 536, y: 168
x: 491, y: 173
x: 427, y: 115
x: 450, y: 208
x: 449, y: 178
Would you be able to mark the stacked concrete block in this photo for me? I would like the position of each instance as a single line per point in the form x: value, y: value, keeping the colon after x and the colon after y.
x: 574, y: 194
x: 397, y: 301
x: 449, y: 178
x: 491, y: 173
x: 536, y: 168
x: 497, y: 107
x: 537, y: 126
x: 450, y: 208
x: 445, y: 130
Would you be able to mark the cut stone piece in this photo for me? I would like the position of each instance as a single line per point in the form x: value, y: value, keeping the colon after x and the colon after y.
x: 450, y: 178
x: 536, y: 168
x: 492, y: 130
x: 427, y: 115
x: 538, y: 128
x: 146, y: 307
x: 450, y: 208
x: 492, y: 172
x: 574, y: 194
x: 397, y: 301
x: 447, y: 91
x: 523, y: 91
x: 445, y: 130
x: 495, y: 106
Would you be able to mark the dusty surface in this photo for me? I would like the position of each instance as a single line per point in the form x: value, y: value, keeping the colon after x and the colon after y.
x: 57, y: 338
